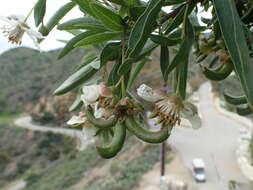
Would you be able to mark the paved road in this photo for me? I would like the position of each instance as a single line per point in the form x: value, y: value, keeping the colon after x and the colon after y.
x: 26, y: 123
x: 215, y: 142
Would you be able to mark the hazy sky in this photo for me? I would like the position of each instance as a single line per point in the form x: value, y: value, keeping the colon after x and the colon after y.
x: 22, y: 8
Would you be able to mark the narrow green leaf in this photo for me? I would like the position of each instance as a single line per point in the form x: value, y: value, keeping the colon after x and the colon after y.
x: 164, y: 41
x: 181, y: 71
x: 80, y: 77
x: 233, y: 34
x: 85, y: 23
x: 143, y: 27
x: 114, y: 76
x: 108, y: 17
x: 84, y: 6
x: 77, y: 104
x: 147, y: 50
x: 75, y: 32
x: 39, y: 11
x: 173, y: 2
x: 164, y: 62
x: 137, y: 70
x: 71, y: 44
x: 181, y: 55
x: 119, y: 2
x: 56, y: 18
x: 136, y: 11
x: 110, y: 52
x: 99, y: 38
x: 87, y: 59
x: 179, y: 18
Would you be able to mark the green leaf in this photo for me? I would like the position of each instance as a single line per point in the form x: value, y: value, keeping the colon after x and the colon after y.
x: 79, y: 77
x: 75, y: 32
x: 143, y: 27
x: 110, y: 52
x: 233, y: 34
x: 181, y: 55
x: 87, y: 59
x: 85, y: 23
x: 179, y: 18
x: 136, y: 11
x: 147, y: 50
x: 77, y: 104
x: 114, y: 76
x: 39, y: 11
x: 137, y: 70
x: 59, y: 14
x: 173, y: 2
x: 84, y: 6
x: 119, y: 2
x: 164, y: 41
x: 164, y: 62
x: 108, y: 17
x: 71, y: 44
x: 132, y: 3
x: 182, y: 65
x: 99, y: 38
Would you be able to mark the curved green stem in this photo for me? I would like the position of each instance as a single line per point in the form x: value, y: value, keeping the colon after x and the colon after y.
x: 146, y: 135
x: 111, y: 149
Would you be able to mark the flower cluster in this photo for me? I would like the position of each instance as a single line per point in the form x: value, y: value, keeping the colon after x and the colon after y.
x: 94, y: 96
x: 169, y: 108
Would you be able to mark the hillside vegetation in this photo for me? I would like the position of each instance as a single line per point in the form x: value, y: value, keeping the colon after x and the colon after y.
x: 26, y: 75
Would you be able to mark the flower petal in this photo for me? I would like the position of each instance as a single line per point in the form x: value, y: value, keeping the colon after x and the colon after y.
x: 18, y: 18
x: 76, y: 120
x: 99, y: 112
x: 102, y: 112
x: 105, y: 91
x: 35, y: 41
x: 34, y: 33
x: 195, y: 122
x: 147, y: 93
x: 190, y: 112
x: 90, y: 94
x: 11, y: 22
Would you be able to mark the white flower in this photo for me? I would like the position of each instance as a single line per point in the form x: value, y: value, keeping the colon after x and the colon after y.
x: 16, y: 29
x: 147, y: 93
x: 170, y: 109
x: 90, y: 94
x: 76, y: 120
x: 102, y: 112
x: 88, y: 131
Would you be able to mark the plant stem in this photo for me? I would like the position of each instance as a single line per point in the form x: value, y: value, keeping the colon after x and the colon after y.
x: 123, y: 87
x: 29, y: 14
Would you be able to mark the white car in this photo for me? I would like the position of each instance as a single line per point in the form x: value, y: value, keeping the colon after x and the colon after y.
x: 198, y: 170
